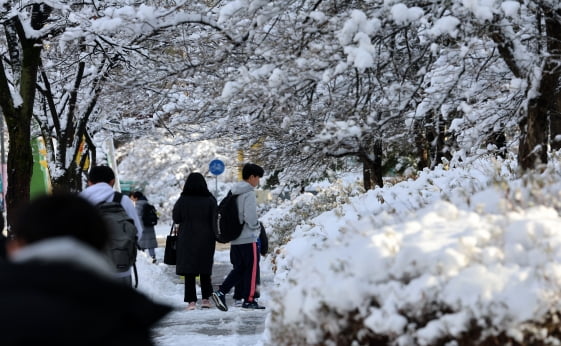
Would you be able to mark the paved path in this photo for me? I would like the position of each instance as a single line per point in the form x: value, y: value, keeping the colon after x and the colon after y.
x: 210, y: 326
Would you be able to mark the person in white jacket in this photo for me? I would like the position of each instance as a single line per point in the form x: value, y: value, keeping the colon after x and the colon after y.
x: 100, y: 189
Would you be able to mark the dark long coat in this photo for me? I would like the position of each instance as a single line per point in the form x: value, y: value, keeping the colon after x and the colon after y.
x: 196, y: 216
x: 60, y: 304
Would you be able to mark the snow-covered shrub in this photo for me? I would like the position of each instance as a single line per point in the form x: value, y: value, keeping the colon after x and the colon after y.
x: 452, y: 258
x: 307, y: 206
x: 538, y: 188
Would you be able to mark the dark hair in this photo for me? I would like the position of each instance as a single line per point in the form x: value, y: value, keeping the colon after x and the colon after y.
x: 61, y: 214
x: 139, y: 195
x: 196, y: 185
x: 250, y: 169
x: 101, y: 174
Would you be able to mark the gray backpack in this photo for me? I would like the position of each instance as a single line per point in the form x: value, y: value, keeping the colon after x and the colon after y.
x: 122, y: 245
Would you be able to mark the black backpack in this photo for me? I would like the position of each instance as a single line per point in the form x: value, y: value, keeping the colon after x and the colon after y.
x: 149, y: 215
x: 122, y: 247
x: 228, y: 223
x: 263, y: 241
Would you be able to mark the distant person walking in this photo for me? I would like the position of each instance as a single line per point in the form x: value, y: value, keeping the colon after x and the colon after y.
x: 195, y: 212
x: 58, y: 287
x: 100, y: 189
x: 244, y: 253
x: 148, y: 240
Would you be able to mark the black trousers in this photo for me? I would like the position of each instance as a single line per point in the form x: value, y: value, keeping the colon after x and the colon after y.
x: 238, y: 289
x: 191, y: 287
x: 245, y: 259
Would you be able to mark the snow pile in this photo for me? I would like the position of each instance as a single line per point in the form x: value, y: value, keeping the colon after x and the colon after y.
x: 454, y: 254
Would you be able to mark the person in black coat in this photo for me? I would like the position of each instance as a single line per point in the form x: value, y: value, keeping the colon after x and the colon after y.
x: 195, y: 211
x: 59, y: 289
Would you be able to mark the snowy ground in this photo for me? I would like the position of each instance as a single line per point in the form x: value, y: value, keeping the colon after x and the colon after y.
x: 200, y: 327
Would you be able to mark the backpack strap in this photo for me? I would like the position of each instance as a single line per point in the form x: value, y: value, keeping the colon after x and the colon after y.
x: 135, y: 275
x: 117, y: 197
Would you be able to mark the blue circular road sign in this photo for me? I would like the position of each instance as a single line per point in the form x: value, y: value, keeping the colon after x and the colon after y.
x: 216, y: 167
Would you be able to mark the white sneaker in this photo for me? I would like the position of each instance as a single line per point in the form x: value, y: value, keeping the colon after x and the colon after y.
x: 205, y: 304
x: 238, y: 303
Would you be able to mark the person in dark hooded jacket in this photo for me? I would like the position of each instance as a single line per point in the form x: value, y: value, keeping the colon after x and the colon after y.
x: 195, y: 211
x: 58, y: 288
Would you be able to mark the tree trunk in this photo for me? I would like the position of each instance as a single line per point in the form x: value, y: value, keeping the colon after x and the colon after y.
x: 20, y: 162
x: 372, y: 167
x: 555, y: 124
x: 18, y: 118
x: 533, y: 142
x: 421, y: 146
x: 430, y: 137
x: 553, y: 29
x: 20, y: 157
x: 498, y: 139
x: 532, y: 151
x: 440, y: 150
x: 70, y: 181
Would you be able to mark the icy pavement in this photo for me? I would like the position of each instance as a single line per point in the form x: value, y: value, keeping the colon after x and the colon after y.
x: 234, y: 327
x: 200, y: 327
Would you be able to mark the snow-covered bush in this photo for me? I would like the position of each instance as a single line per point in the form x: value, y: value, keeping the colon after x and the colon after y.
x: 281, y: 225
x: 469, y: 256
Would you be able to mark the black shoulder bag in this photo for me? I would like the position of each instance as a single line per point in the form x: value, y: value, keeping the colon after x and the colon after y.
x: 170, y: 253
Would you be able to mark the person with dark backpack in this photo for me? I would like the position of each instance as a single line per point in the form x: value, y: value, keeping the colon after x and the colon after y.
x: 244, y: 253
x: 119, y: 212
x: 149, y: 217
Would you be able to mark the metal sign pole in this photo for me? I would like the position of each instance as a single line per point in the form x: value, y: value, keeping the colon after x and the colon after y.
x: 216, y: 167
